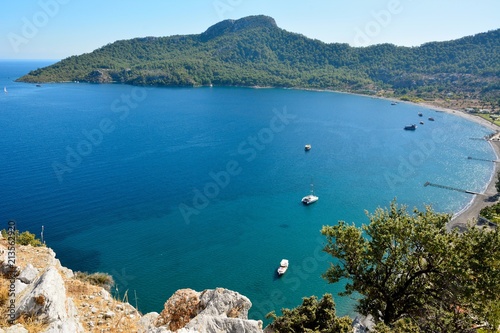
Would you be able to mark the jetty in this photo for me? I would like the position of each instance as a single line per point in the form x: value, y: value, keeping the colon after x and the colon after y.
x: 481, y: 159
x: 451, y: 188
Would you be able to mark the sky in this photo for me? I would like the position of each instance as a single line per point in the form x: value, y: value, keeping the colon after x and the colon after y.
x: 56, y: 29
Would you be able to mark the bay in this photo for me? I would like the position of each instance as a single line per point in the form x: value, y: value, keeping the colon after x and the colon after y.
x: 169, y: 188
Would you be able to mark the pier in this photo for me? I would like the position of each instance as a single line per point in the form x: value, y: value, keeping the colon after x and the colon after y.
x: 482, y: 159
x: 451, y: 188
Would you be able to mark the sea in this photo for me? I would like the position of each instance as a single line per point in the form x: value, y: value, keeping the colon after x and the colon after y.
x: 170, y: 188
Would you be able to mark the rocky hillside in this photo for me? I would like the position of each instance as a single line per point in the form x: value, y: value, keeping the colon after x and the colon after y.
x: 40, y: 295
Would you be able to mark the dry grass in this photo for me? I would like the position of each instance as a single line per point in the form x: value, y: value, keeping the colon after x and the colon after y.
x: 92, y: 304
x: 30, y: 322
x: 4, y: 298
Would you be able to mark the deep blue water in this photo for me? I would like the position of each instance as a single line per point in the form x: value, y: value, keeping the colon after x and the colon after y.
x: 169, y: 188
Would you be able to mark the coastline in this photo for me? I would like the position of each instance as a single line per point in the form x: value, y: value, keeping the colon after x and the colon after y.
x: 470, y: 212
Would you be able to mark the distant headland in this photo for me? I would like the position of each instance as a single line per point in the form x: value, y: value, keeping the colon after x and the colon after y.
x: 254, y: 51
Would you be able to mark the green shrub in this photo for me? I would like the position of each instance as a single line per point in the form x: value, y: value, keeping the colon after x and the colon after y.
x: 24, y: 238
x: 97, y: 279
x: 312, y: 316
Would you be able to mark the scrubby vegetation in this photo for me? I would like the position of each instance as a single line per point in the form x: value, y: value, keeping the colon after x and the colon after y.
x: 253, y: 51
x: 103, y: 280
x: 311, y: 316
x: 24, y: 238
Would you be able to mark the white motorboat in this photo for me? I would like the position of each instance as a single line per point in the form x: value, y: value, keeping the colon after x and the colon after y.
x: 283, y: 266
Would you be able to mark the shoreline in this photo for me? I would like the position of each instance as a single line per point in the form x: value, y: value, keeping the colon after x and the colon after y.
x: 470, y: 212
x: 461, y: 219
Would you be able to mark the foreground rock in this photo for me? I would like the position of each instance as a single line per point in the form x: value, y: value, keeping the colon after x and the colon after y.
x: 218, y: 310
x: 50, y: 299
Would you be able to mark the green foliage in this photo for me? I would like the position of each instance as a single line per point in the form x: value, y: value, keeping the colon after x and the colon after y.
x: 24, y: 238
x: 253, y: 51
x: 408, y: 266
x: 405, y: 325
x: 492, y: 213
x: 97, y: 279
x: 312, y: 316
x: 497, y: 184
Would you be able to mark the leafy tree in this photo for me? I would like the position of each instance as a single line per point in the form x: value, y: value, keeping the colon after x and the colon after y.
x: 407, y: 266
x: 497, y: 184
x: 311, y: 317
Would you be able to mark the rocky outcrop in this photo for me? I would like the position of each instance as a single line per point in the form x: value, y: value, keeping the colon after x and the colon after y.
x: 99, y: 76
x: 179, y: 309
x: 46, y: 299
x: 229, y: 26
x: 218, y: 310
x: 51, y: 294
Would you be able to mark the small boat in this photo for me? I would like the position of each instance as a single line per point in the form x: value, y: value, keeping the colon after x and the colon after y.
x: 410, y: 127
x: 421, y: 123
x: 307, y: 147
x: 38, y: 85
x: 420, y: 114
x: 311, y: 198
x: 431, y: 119
x: 5, y: 90
x: 394, y: 103
x: 283, y: 267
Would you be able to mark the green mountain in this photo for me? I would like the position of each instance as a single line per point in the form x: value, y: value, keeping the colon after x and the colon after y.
x: 254, y: 51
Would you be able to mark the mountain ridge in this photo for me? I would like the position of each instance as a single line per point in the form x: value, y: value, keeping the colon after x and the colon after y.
x: 254, y: 51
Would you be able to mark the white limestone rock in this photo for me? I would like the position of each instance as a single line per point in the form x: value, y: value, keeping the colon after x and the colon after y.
x: 18, y: 328
x: 147, y: 322
x: 216, y: 324
x: 28, y: 275
x: 47, y: 300
x: 211, y: 311
x: 19, y: 287
x: 224, y: 302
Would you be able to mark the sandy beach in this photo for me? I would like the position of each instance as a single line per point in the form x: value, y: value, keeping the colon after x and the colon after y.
x: 471, y: 212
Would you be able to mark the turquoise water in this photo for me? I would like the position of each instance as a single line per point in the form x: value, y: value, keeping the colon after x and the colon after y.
x: 169, y: 188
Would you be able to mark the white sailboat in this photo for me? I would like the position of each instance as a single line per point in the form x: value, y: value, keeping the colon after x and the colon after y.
x: 311, y: 198
x: 5, y: 90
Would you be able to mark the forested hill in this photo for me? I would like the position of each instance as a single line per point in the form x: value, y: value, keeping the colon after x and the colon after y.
x: 254, y: 51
